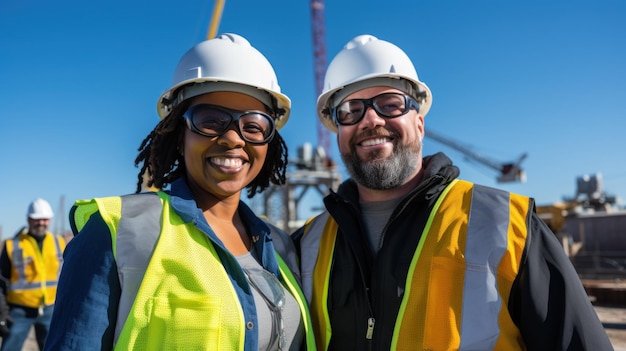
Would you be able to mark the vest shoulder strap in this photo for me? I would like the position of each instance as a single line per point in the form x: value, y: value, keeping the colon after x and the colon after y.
x: 139, y: 228
x: 310, y: 242
x: 137, y: 235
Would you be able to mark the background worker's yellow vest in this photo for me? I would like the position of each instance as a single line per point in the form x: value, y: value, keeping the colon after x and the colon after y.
x: 34, y: 272
x: 459, y: 280
x: 184, y: 298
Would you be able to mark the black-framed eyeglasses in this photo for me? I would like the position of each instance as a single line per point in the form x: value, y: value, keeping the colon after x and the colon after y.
x: 388, y: 105
x: 255, y: 127
x: 271, y: 290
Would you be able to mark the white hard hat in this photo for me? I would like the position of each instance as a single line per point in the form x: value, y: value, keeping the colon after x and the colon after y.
x: 40, y: 209
x: 367, y: 61
x: 225, y: 63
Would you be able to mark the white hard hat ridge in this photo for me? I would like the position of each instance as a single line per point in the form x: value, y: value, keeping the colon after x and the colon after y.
x: 40, y: 209
x: 363, y: 60
x: 225, y: 63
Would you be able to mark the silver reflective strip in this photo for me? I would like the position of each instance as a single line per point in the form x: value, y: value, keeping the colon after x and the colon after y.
x: 22, y: 284
x: 137, y: 234
x: 32, y: 285
x: 486, y: 245
x: 309, y: 249
x: 18, y: 264
x: 57, y: 245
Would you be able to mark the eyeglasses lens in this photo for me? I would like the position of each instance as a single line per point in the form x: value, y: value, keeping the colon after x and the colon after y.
x: 389, y: 105
x: 254, y: 126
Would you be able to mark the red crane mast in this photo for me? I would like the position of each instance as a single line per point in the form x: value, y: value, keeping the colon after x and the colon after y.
x: 319, y: 63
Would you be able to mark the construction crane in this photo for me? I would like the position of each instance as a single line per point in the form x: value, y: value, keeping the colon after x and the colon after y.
x: 319, y: 69
x: 508, y: 171
x: 216, y: 17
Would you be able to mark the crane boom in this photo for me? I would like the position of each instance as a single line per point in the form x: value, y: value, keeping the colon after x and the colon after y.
x: 509, y: 172
x: 216, y: 17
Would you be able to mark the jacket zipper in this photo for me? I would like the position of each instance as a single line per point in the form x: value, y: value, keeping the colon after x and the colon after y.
x: 370, y: 328
x: 371, y: 320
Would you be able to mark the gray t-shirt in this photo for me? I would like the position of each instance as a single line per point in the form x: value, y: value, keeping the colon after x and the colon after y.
x: 376, y: 215
x: 293, y: 328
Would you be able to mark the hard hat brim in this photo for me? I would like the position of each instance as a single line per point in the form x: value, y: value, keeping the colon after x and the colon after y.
x: 207, y: 85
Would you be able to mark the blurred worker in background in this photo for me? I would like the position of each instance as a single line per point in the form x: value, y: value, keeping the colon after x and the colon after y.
x: 407, y: 256
x: 191, y: 267
x: 30, y: 264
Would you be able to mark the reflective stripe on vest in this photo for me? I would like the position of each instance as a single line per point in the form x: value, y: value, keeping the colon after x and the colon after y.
x: 35, y: 272
x: 317, y: 249
x: 137, y: 234
x: 474, y: 239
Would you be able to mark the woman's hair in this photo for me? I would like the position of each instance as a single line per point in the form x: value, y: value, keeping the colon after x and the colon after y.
x: 162, y: 161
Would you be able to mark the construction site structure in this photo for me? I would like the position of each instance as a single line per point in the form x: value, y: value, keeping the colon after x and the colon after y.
x: 591, y: 226
x: 312, y: 170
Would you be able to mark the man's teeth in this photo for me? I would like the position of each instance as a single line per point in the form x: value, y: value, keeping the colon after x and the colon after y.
x: 227, y: 162
x: 371, y: 142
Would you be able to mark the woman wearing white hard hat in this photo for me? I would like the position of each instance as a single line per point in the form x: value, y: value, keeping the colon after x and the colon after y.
x: 189, y: 266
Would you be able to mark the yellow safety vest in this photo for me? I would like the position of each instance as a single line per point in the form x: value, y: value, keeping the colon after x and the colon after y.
x: 34, y: 272
x: 459, y: 279
x: 183, y: 299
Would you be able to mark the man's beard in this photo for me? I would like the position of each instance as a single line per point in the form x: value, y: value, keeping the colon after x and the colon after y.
x: 383, y: 173
x: 38, y: 230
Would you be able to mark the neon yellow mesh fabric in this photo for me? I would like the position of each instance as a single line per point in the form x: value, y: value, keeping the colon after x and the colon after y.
x: 186, y: 300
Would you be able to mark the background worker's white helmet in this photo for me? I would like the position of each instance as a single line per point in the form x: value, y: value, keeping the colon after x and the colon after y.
x: 367, y: 61
x: 40, y: 209
x: 225, y: 63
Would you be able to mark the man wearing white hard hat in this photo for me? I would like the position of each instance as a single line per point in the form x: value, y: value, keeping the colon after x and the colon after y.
x: 409, y: 257
x: 31, y: 263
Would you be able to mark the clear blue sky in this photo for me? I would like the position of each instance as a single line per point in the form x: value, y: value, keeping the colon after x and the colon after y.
x: 79, y: 82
